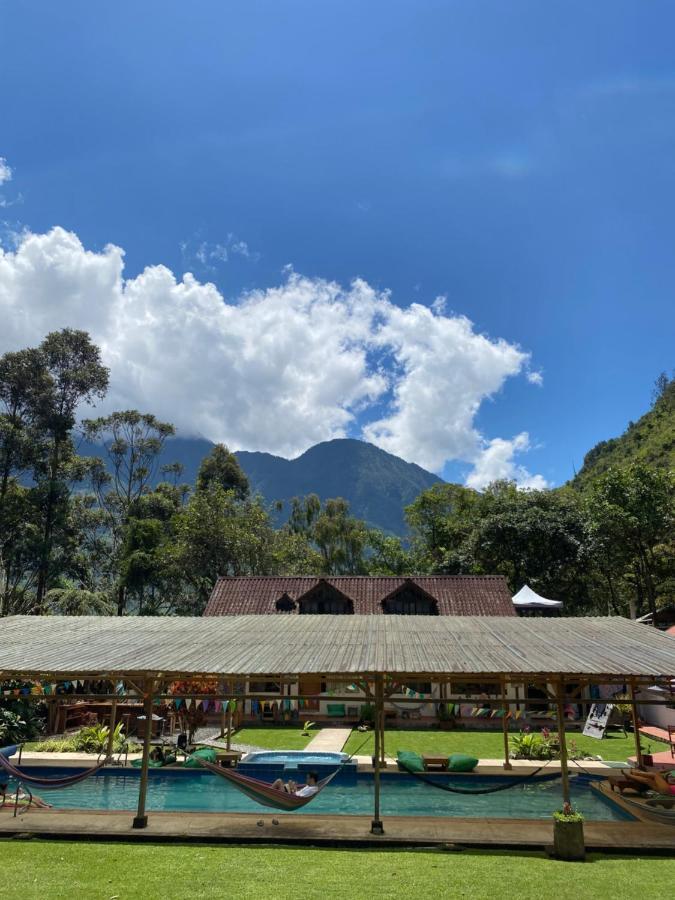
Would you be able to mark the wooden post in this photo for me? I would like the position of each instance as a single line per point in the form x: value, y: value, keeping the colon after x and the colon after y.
x: 505, y: 728
x: 141, y: 819
x: 229, y: 725
x: 224, y: 705
x: 109, y: 753
x: 376, y: 825
x: 564, y: 771
x: 382, y: 721
x: 636, y: 728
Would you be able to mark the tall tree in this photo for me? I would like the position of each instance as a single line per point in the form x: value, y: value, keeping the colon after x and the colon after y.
x: 633, y: 507
x: 220, y: 467
x: 441, y: 520
x: 341, y: 539
x: 218, y: 534
x: 133, y: 444
x: 76, y: 376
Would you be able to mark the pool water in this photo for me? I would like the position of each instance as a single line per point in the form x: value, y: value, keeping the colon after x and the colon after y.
x: 294, y: 757
x: 400, y: 795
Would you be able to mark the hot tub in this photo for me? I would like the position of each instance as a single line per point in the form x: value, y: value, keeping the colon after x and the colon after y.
x: 294, y: 758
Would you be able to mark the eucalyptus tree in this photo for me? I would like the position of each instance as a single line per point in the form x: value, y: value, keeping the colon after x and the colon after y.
x: 132, y: 444
x: 75, y: 376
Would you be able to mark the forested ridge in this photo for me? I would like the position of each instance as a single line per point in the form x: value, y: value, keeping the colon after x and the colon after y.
x: 124, y: 533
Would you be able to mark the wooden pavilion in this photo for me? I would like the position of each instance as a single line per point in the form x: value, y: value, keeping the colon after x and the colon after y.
x: 148, y: 654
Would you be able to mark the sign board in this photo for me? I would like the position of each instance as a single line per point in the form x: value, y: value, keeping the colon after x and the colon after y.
x: 598, y: 717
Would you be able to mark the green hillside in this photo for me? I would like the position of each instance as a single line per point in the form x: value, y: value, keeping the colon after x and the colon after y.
x: 650, y: 440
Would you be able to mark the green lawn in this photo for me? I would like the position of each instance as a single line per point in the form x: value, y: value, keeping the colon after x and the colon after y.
x: 489, y: 744
x: 35, y: 870
x: 274, y: 738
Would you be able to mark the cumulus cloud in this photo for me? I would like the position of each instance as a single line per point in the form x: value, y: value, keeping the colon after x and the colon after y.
x: 496, y: 462
x: 535, y: 378
x: 276, y: 369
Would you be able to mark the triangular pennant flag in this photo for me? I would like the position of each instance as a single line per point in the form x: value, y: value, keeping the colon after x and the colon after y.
x: 178, y: 702
x: 205, y: 705
x: 217, y: 705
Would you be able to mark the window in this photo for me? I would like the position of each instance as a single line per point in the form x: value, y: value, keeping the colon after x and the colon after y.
x: 285, y: 604
x: 264, y: 687
x: 410, y: 600
x: 326, y: 600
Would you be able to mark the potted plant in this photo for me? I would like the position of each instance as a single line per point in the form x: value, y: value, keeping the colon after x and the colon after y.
x: 568, y: 834
x: 647, y: 758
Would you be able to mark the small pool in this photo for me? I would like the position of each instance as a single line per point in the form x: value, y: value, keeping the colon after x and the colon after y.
x: 401, y: 795
x: 294, y: 758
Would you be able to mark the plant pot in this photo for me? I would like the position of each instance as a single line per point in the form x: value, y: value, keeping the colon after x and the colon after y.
x: 568, y: 840
x: 647, y: 759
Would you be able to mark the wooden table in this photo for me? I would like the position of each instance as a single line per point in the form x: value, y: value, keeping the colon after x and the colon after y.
x: 228, y: 758
x: 435, y: 762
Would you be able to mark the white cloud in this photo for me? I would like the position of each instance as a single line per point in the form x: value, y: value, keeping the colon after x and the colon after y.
x: 208, y: 255
x: 5, y: 171
x: 496, y: 462
x: 535, y: 378
x: 276, y: 369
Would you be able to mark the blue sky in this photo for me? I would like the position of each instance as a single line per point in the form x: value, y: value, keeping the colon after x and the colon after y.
x: 515, y: 158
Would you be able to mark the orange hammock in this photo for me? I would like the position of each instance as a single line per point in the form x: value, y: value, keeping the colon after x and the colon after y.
x: 262, y: 791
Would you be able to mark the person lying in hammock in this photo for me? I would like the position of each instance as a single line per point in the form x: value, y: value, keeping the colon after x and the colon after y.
x: 654, y: 781
x: 290, y: 787
x: 23, y: 799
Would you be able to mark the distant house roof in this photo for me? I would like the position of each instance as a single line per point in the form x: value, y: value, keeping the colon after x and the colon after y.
x: 455, y: 595
x: 526, y: 598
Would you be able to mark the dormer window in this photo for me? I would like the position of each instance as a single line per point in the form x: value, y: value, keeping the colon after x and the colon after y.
x: 410, y: 600
x: 325, y: 600
x: 285, y: 605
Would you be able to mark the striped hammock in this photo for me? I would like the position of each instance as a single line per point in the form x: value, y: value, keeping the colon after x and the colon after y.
x: 262, y: 791
x: 42, y: 781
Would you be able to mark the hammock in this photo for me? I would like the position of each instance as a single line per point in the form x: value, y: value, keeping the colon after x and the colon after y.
x: 41, y: 781
x: 262, y: 791
x: 513, y: 782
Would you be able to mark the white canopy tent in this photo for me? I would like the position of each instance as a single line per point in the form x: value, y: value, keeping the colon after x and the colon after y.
x: 526, y: 598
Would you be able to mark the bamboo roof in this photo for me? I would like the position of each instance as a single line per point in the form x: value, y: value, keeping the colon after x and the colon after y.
x: 240, y: 646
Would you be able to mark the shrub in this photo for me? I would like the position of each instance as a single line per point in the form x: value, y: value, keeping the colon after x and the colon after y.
x: 12, y: 727
x: 94, y: 738
x: 529, y: 745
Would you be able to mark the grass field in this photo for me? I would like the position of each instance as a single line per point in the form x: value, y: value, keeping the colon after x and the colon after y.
x: 490, y: 745
x: 35, y: 870
x: 274, y: 737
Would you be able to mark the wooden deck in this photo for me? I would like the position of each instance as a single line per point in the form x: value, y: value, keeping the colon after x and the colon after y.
x: 331, y: 830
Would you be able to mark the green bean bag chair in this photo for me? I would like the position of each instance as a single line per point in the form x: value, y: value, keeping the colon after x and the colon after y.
x: 206, y: 753
x: 409, y: 761
x: 461, y: 762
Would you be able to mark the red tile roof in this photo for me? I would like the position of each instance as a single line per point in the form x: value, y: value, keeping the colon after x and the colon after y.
x: 456, y: 595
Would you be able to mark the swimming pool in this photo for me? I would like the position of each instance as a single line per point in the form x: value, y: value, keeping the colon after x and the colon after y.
x: 189, y: 790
